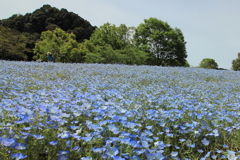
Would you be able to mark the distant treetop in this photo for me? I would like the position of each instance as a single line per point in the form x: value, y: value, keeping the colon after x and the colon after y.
x: 49, y: 18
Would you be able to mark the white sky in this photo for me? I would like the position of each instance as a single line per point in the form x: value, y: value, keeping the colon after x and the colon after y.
x: 211, y: 27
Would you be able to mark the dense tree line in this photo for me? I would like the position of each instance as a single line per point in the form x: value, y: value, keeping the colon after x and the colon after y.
x: 48, y: 18
x: 70, y: 38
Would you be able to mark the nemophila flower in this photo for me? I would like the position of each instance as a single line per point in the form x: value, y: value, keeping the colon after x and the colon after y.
x: 170, y: 134
x: 37, y: 136
x: 150, y: 156
x: 225, y: 146
x: 20, y: 146
x: 125, y: 140
x: 18, y: 156
x: 76, y: 148
x: 68, y: 143
x: 214, y: 156
x: 174, y: 154
x: 218, y: 151
x: 182, y: 140
x: 160, y: 145
x: 86, y: 138
x: 144, y: 143
x: 54, y: 143
x: 62, y: 157
x: 113, y: 128
x: 223, y: 156
x: 98, y: 150
x: 63, y: 152
x: 231, y: 155
x: 200, y: 151
x: 112, y: 151
x: 86, y: 158
x: 8, y: 142
x: 118, y: 158
x: 27, y: 128
x: 205, y: 142
x: 135, y: 158
x: 73, y: 127
x: 64, y: 135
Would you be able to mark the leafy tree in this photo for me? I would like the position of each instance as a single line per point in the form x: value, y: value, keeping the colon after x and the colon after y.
x: 48, y: 18
x: 62, y: 45
x: 236, y: 63
x: 132, y: 55
x: 208, y: 63
x: 114, y: 45
x: 186, y: 64
x: 12, y: 44
x: 165, y: 46
x: 116, y: 37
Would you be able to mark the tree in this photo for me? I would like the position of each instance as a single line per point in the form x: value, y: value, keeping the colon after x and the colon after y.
x: 116, y: 37
x: 114, y: 45
x: 208, y: 63
x: 165, y: 46
x: 236, y: 63
x: 12, y: 44
x: 62, y: 45
x: 48, y: 18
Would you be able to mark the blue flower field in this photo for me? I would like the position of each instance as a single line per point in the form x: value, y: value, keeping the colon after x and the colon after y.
x: 117, y: 112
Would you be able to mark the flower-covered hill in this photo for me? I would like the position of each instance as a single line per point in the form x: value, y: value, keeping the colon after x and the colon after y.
x: 110, y: 111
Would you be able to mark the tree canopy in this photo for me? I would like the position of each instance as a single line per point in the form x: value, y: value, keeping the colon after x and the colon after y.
x: 70, y: 38
x: 165, y: 45
x: 208, y: 63
x: 48, y: 18
x: 12, y: 44
x: 236, y: 63
x: 115, y: 45
x: 62, y: 45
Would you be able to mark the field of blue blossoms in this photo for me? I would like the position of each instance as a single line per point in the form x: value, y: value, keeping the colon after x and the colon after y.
x: 63, y: 111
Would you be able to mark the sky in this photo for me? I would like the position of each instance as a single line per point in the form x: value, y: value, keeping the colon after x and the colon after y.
x: 211, y: 28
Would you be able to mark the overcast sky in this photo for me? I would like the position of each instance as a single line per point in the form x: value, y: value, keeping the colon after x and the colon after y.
x: 211, y: 27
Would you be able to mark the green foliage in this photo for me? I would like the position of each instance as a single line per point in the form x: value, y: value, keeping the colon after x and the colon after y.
x: 186, y: 64
x: 12, y: 44
x: 208, y: 63
x: 236, y: 63
x: 116, y: 37
x: 47, y: 18
x: 62, y: 45
x: 114, y: 45
x: 165, y: 45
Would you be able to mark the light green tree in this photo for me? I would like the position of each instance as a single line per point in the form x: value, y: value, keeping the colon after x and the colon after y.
x: 62, y: 45
x: 208, y: 63
x: 114, y: 45
x: 165, y: 46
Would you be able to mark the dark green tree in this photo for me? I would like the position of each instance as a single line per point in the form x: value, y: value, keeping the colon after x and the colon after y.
x: 165, y: 46
x: 236, y: 63
x: 208, y: 63
x: 48, y: 18
x: 12, y: 44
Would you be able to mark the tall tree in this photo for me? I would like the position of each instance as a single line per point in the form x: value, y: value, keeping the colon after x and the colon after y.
x: 236, y: 63
x: 12, y: 44
x: 62, y: 45
x: 165, y: 46
x: 116, y: 37
x: 48, y: 18
x: 208, y: 63
x: 114, y: 44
